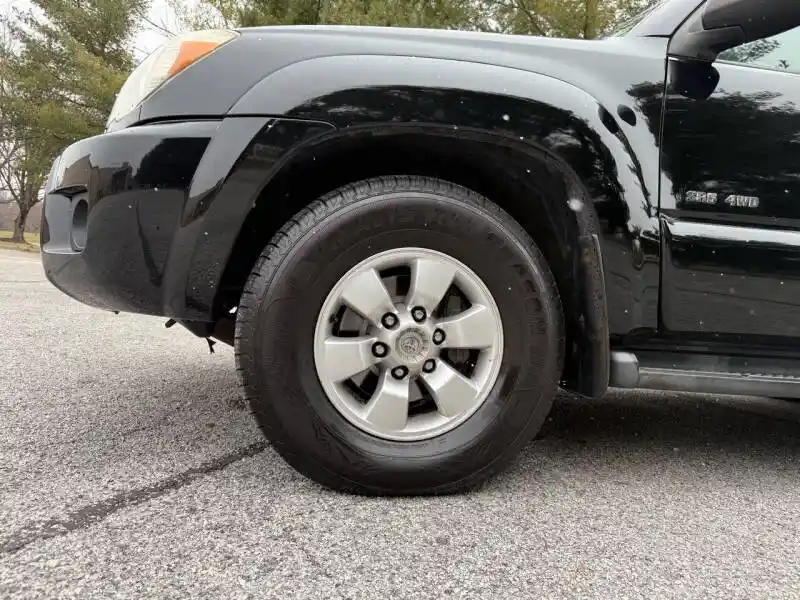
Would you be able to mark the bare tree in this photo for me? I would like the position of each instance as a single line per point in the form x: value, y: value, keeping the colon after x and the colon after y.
x: 21, y: 171
x: 24, y: 183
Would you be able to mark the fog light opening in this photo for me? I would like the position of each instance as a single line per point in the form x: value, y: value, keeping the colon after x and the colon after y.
x: 80, y: 217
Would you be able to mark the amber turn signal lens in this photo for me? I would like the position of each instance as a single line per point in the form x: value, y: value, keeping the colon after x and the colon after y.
x: 190, y: 52
x: 172, y: 57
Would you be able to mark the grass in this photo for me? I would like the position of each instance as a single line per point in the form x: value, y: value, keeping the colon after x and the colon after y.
x: 31, y: 242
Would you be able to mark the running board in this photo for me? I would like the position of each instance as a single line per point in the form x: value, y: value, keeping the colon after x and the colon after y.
x: 740, y: 376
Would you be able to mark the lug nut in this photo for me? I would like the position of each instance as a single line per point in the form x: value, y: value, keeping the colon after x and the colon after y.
x: 438, y: 337
x: 389, y: 320
x: 429, y: 366
x: 399, y: 372
x: 379, y: 349
x: 418, y: 314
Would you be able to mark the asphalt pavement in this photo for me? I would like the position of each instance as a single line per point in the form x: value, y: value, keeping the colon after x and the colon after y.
x: 129, y: 469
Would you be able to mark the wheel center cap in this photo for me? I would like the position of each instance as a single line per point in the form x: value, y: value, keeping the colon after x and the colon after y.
x: 412, y: 346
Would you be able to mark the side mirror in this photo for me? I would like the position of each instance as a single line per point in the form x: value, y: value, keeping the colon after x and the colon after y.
x: 693, y: 79
x: 724, y: 24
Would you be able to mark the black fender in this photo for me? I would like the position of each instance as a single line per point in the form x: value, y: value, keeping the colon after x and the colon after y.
x: 608, y: 164
x: 536, y: 114
x: 242, y: 157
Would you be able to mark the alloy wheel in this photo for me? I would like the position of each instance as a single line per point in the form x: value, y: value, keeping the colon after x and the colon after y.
x: 408, y: 344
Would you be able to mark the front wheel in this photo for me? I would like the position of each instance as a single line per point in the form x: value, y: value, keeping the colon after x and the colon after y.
x: 402, y: 335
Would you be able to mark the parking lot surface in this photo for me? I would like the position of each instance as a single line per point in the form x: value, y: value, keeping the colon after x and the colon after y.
x: 128, y: 469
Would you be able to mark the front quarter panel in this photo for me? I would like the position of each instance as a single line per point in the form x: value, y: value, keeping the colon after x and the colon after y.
x: 229, y: 181
x: 610, y: 146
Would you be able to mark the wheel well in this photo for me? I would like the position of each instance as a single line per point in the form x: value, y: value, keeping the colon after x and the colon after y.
x: 526, y: 185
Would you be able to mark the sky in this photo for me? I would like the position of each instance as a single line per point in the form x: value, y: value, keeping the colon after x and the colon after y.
x: 150, y: 38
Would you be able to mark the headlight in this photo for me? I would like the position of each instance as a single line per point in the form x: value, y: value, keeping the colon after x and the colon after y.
x: 167, y: 61
x: 53, y: 176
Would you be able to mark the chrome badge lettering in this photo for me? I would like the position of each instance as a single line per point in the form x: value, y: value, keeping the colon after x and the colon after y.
x: 742, y: 201
x: 711, y: 198
x: 696, y: 197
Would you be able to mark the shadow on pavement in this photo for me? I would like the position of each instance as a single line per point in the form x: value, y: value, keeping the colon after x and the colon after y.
x: 631, y: 420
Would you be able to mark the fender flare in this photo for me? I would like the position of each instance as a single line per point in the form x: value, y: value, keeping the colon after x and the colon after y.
x: 355, y: 90
x: 351, y: 92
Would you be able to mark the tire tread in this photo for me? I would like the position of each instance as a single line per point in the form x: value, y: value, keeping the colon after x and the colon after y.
x: 276, y: 251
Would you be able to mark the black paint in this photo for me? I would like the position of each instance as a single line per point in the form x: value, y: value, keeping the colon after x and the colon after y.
x: 612, y: 134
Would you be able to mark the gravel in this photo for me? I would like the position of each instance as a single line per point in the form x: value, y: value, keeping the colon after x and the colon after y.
x: 128, y: 469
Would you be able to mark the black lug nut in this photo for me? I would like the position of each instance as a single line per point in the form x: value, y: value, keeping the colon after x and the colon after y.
x: 429, y: 366
x: 399, y: 372
x: 389, y: 320
x: 438, y: 337
x: 418, y: 314
x: 379, y: 349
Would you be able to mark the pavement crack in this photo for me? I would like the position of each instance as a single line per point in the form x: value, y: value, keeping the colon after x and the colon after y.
x: 93, y: 513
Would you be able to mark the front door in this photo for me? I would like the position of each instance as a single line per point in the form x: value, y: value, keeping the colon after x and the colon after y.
x: 730, y: 202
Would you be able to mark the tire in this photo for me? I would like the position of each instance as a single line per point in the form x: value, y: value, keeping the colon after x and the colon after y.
x: 288, y: 287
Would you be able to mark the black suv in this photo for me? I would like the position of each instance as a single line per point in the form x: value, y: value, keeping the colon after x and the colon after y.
x: 412, y: 238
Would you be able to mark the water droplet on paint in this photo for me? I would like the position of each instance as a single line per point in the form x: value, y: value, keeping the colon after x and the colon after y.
x: 575, y: 205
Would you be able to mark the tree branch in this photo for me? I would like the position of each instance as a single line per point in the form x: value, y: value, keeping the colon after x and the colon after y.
x: 533, y: 18
x: 157, y: 26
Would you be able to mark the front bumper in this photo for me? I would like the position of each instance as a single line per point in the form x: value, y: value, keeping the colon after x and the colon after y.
x: 112, y: 206
x: 145, y: 219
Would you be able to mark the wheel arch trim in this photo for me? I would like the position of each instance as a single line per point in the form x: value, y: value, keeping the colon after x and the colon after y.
x: 591, y: 378
x: 354, y: 94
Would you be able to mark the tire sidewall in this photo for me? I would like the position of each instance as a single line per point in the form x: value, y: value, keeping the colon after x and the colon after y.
x: 290, y: 402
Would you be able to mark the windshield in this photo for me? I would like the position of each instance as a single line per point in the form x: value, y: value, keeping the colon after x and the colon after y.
x: 625, y: 27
